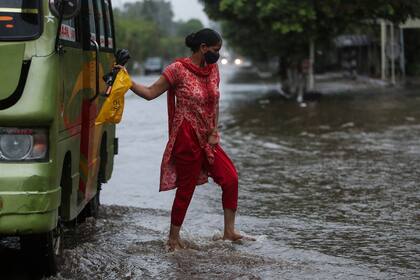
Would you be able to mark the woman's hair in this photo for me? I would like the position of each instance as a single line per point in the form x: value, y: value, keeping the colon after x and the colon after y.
x: 207, y: 36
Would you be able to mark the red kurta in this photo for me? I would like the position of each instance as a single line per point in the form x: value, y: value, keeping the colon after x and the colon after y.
x: 196, y: 90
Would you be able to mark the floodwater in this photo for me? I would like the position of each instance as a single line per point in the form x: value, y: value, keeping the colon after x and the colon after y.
x: 330, y: 191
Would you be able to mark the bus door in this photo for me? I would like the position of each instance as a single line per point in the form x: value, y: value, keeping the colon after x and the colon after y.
x: 72, y: 71
x: 96, y: 59
x: 89, y: 109
x: 106, y: 57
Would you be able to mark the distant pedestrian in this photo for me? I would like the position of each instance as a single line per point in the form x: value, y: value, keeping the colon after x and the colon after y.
x: 193, y: 152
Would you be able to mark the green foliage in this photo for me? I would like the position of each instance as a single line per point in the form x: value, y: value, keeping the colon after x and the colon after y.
x: 262, y: 28
x: 138, y: 36
x: 146, y: 28
x: 185, y: 28
x: 157, y: 11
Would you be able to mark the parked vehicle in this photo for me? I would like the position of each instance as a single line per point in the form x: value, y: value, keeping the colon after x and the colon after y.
x: 53, y: 157
x: 153, y: 65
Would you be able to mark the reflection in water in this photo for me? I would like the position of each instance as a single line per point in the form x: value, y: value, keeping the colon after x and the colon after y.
x: 338, y: 177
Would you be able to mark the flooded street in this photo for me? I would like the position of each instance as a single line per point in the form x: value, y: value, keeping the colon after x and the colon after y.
x: 330, y: 191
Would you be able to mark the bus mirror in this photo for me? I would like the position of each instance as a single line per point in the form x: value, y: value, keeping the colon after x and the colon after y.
x: 70, y: 9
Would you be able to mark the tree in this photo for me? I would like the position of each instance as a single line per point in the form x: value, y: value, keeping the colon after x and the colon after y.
x: 174, y: 46
x: 286, y: 28
x: 140, y: 37
x: 147, y: 29
x: 156, y: 11
x: 186, y: 28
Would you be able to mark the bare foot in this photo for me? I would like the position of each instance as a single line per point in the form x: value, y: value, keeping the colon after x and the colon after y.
x: 232, y: 236
x: 236, y: 236
x: 175, y: 244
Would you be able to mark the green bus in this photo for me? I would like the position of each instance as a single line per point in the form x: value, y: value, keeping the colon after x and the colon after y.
x: 53, y: 157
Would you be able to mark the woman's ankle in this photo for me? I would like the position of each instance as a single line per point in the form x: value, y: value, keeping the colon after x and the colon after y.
x: 174, y: 232
x: 175, y: 242
x: 229, y: 230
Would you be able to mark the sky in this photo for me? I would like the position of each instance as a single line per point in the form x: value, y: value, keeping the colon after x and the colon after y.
x: 183, y: 9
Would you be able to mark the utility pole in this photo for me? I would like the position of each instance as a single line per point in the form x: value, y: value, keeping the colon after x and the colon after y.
x: 392, y: 45
x: 383, y: 55
x: 402, y: 57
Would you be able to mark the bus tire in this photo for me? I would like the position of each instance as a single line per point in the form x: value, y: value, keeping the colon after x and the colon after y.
x: 92, y: 207
x: 43, y: 251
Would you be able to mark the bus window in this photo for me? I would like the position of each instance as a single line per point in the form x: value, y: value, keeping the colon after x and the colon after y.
x: 20, y: 20
x: 101, y: 23
x: 92, y: 25
x: 109, y: 34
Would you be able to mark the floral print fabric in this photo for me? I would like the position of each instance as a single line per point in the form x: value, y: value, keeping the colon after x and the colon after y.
x: 193, y: 96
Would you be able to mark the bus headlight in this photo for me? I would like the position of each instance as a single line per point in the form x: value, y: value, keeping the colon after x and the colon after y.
x: 18, y: 144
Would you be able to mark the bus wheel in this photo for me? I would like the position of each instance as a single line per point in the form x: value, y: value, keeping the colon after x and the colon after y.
x: 92, y: 208
x: 43, y: 251
x: 93, y: 204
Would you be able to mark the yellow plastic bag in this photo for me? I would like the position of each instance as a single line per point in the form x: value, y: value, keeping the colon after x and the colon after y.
x: 113, y: 107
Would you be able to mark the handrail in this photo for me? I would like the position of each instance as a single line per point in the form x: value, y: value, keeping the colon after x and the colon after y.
x: 97, y: 69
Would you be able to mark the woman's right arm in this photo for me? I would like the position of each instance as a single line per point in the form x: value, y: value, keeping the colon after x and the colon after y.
x: 153, y: 91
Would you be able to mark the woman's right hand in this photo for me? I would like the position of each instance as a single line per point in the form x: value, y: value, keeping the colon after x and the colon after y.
x: 119, y: 67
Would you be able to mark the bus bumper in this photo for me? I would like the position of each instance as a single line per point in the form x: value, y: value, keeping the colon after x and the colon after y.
x: 28, y: 212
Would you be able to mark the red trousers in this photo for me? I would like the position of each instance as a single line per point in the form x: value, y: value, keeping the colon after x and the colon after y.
x: 190, y: 159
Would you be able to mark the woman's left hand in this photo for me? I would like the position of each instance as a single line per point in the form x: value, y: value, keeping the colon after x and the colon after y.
x: 214, y: 138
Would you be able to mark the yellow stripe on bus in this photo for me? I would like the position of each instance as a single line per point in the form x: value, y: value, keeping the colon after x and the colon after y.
x: 19, y: 10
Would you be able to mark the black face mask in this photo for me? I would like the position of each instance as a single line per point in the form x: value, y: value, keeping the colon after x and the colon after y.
x: 211, y: 57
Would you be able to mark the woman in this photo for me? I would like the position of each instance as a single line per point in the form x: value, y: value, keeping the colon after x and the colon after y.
x: 193, y: 152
